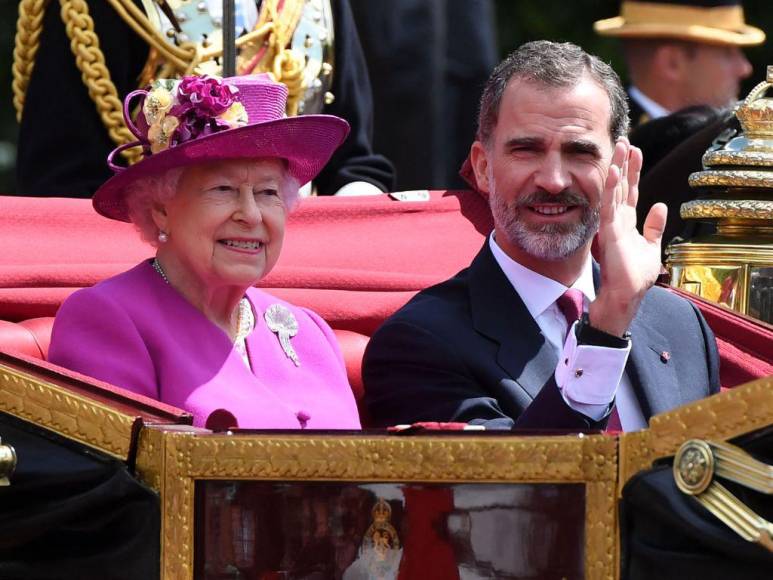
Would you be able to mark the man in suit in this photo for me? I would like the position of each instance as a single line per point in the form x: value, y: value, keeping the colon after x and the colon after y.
x: 534, y: 333
x: 682, y: 53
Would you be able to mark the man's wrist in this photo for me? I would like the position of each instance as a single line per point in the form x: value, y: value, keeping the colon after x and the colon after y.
x: 612, y: 318
x: 587, y: 333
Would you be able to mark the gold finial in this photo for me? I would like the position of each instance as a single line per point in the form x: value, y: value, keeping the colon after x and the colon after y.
x: 7, y: 463
x: 756, y: 111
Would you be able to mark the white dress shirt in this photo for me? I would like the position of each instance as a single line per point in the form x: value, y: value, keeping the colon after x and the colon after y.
x: 601, y: 375
x: 653, y: 109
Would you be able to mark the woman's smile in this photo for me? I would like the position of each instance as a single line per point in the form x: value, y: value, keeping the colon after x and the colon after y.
x: 242, y: 245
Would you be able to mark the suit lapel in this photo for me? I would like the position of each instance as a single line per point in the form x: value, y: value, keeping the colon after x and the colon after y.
x: 653, y: 379
x: 523, y: 353
x: 650, y: 370
x: 499, y: 314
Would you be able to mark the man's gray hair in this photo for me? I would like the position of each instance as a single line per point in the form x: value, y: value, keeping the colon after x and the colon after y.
x: 552, y: 64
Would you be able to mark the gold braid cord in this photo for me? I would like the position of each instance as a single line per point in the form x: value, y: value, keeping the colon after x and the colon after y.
x: 28, y: 28
x: 272, y: 35
x: 91, y: 62
x: 182, y: 59
x: 263, y: 49
x: 283, y: 63
x: 287, y: 65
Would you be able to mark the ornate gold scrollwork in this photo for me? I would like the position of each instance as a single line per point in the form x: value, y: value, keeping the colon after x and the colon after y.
x: 734, y: 191
x: 7, y: 463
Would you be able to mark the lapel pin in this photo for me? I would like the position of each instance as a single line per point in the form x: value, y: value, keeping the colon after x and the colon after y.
x: 665, y: 356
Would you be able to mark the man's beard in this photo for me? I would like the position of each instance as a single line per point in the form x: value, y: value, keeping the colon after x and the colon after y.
x: 544, y: 241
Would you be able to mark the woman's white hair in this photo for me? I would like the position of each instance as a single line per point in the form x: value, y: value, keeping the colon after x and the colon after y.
x: 146, y: 192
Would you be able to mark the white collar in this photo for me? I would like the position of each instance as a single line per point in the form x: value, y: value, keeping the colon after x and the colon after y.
x: 539, y: 292
x: 653, y: 109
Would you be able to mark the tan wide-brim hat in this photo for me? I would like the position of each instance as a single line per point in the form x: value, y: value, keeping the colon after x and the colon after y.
x: 712, y: 22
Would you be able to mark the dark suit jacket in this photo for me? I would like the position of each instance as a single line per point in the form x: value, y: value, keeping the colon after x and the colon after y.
x: 468, y: 350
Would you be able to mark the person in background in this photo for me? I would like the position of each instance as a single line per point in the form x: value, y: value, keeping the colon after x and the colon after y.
x: 428, y: 61
x: 662, y: 140
x: 658, y: 137
x: 682, y: 53
x: 75, y: 150
x: 221, y: 170
x: 534, y: 333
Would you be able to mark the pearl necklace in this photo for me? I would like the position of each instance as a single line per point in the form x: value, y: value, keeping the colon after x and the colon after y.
x: 157, y: 268
x: 244, y: 319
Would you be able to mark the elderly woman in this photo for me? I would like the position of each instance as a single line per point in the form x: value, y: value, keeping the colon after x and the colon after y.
x: 221, y: 169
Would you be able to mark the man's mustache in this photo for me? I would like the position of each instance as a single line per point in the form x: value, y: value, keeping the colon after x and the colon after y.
x: 543, y: 197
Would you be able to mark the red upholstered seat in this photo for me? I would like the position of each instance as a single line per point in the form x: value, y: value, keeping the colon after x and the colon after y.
x: 352, y: 260
x: 16, y: 338
x: 32, y: 338
x: 353, y: 347
x: 745, y: 344
x: 40, y: 328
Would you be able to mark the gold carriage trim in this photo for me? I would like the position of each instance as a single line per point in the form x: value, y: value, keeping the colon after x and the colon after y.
x: 696, y: 465
x: 747, y: 158
x: 732, y: 178
x: 697, y: 254
x: 189, y: 457
x: 729, y: 414
x: 66, y: 413
x: 755, y: 209
x: 7, y: 463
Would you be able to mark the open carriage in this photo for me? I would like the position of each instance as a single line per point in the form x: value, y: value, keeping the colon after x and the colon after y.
x: 113, y: 485
x: 109, y: 484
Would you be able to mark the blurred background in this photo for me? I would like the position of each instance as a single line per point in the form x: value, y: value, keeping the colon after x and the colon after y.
x: 516, y: 22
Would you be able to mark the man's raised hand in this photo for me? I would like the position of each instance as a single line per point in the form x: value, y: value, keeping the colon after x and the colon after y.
x: 630, y: 261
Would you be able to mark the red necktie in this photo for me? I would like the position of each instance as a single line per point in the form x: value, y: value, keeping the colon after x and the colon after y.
x: 614, y: 425
x: 570, y: 303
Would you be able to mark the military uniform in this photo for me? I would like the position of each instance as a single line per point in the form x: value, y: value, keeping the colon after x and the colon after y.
x: 63, y: 143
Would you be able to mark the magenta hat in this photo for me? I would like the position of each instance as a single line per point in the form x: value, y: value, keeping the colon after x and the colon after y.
x: 202, y: 119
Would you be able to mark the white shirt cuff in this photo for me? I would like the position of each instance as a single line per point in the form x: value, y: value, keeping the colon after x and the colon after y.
x: 359, y: 188
x: 588, y: 375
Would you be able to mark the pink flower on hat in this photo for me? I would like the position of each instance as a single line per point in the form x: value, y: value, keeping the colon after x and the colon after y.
x: 216, y: 122
x: 207, y: 96
x: 179, y: 111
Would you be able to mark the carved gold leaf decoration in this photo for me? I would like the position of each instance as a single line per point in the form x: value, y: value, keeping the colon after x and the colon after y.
x: 731, y: 178
x: 177, y: 507
x: 65, y: 412
x: 601, y: 546
x: 150, y: 457
x: 724, y: 157
x: 564, y: 459
x: 728, y: 208
x: 722, y: 416
x: 393, y: 458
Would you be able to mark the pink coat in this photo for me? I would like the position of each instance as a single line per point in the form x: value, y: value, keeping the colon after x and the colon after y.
x: 137, y: 332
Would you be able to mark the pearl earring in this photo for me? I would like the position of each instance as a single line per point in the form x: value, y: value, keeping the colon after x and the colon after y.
x: 163, y: 237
